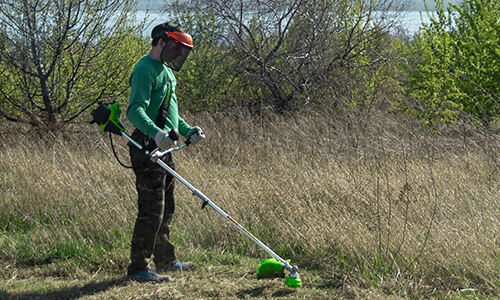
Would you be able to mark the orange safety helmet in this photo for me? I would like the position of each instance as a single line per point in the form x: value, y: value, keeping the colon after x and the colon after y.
x: 179, y: 37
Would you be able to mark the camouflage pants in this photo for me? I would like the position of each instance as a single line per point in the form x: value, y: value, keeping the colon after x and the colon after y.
x: 156, y: 205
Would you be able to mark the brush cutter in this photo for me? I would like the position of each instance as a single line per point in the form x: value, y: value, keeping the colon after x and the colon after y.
x: 107, y: 117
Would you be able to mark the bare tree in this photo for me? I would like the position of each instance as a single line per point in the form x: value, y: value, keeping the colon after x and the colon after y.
x: 298, y: 47
x: 61, y: 56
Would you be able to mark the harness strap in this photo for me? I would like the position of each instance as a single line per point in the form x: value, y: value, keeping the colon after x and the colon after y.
x: 162, y: 114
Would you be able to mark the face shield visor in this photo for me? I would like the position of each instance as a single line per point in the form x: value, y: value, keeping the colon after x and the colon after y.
x: 176, y: 50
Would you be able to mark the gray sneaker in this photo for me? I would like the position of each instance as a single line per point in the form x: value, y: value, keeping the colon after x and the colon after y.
x: 177, y: 266
x: 149, y: 276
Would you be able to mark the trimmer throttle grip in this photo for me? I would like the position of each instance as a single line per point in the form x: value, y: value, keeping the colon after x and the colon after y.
x: 174, y: 134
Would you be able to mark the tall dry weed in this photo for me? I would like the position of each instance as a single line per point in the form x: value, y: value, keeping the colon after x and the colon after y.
x: 369, y: 196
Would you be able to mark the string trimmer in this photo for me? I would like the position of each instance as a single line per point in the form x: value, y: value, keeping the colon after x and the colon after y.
x: 107, y: 117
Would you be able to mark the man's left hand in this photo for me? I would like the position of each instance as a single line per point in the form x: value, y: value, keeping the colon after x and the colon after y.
x: 195, y: 134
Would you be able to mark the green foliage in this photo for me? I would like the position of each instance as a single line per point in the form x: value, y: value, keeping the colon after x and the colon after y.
x: 208, y: 80
x: 477, y: 53
x: 454, y: 64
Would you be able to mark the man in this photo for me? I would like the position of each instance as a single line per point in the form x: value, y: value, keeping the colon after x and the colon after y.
x: 153, y: 110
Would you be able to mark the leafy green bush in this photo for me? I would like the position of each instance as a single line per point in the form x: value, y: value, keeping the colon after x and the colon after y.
x: 454, y: 65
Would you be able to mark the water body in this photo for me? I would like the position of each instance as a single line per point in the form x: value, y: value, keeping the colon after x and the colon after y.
x: 412, y: 20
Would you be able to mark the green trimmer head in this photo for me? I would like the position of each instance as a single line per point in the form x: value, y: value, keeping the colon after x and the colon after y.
x: 271, y: 268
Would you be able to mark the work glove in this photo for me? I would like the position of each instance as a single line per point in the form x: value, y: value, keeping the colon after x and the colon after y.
x: 163, y: 140
x: 195, y: 134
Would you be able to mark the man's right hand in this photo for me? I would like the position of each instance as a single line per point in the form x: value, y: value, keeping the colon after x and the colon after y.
x: 163, y: 140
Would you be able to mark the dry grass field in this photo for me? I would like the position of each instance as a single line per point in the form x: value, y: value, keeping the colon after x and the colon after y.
x: 368, y: 207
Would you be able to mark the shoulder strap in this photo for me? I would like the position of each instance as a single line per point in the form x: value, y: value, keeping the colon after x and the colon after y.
x: 162, y: 114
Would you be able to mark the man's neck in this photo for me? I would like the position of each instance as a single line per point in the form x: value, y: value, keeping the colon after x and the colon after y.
x: 155, y: 53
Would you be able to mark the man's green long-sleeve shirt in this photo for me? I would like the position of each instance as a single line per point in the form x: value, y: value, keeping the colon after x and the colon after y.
x: 148, y: 87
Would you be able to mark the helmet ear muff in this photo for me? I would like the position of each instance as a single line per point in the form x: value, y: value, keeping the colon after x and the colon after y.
x: 170, y: 27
